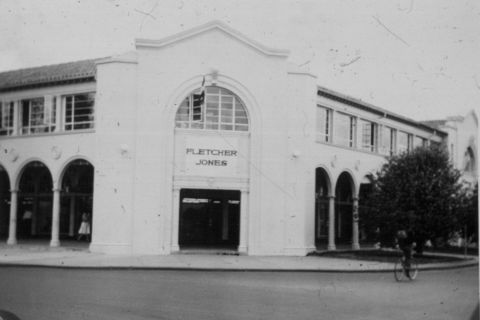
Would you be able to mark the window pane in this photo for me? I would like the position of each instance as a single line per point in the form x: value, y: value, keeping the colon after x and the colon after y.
x: 323, y: 124
x: 35, y: 116
x: 402, y: 141
x: 79, y: 111
x: 226, y: 127
x: 344, y: 130
x: 222, y: 110
x: 386, y: 147
x: 369, y: 136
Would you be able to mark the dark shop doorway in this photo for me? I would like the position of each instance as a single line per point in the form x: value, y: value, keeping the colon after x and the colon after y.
x: 209, y: 218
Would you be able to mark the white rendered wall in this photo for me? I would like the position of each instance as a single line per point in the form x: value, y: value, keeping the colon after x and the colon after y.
x: 167, y: 76
x: 113, y: 221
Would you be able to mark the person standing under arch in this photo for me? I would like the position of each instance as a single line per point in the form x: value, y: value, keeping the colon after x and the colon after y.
x: 84, y: 227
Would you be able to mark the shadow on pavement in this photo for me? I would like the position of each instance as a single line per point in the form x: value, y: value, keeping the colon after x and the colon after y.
x: 6, y: 315
x: 475, y: 315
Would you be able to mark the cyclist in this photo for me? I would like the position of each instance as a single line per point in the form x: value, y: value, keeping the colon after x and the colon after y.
x: 404, y: 241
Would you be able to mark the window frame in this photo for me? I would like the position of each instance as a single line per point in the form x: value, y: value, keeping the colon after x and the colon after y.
x: 372, y: 145
x: 340, y: 140
x: 47, y: 112
x: 9, y: 117
x: 73, y: 123
x: 327, y: 120
x: 222, y: 110
x: 388, y: 135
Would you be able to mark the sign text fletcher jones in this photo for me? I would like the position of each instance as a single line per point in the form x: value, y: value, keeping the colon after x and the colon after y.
x: 212, y: 152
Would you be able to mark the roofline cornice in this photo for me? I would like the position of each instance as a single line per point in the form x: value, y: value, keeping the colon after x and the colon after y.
x: 148, y: 43
x: 117, y: 60
x: 332, y: 95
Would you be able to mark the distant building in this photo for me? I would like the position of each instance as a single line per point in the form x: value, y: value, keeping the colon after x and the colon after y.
x: 462, y: 143
x: 206, y: 139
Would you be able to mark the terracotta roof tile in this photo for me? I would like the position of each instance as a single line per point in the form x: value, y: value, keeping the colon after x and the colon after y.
x: 44, y: 75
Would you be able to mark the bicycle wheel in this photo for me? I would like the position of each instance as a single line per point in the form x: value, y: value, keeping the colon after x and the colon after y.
x: 413, y: 269
x: 398, y: 270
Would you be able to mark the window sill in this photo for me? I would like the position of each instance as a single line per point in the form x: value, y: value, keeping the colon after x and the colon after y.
x: 49, y: 134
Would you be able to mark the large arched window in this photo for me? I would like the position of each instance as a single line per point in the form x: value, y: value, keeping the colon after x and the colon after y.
x: 221, y: 110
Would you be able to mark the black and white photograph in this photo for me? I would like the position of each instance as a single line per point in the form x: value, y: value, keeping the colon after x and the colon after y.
x: 239, y: 159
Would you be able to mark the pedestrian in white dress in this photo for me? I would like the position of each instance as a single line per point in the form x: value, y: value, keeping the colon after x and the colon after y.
x: 84, y: 227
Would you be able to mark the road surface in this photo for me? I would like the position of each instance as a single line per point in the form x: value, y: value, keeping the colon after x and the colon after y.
x: 44, y: 293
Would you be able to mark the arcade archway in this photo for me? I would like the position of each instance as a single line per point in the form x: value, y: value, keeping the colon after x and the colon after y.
x: 344, y: 209
x: 76, y: 197
x: 367, y: 234
x: 4, y: 203
x: 34, y: 212
x: 322, y: 190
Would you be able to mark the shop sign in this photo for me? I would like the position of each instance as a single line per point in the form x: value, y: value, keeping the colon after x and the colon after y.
x: 211, y: 156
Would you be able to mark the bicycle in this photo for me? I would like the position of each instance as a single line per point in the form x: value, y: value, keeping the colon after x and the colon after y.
x: 400, y: 271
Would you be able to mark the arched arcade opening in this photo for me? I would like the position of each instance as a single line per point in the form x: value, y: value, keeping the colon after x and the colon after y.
x: 76, y: 197
x: 34, y: 211
x: 322, y: 192
x: 367, y: 233
x: 4, y: 203
x: 344, y: 194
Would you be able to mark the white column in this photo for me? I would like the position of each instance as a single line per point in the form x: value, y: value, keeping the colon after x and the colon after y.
x: 175, y: 220
x: 243, y: 241
x: 355, y: 241
x: 55, y: 242
x: 71, y: 227
x: 12, y: 229
x: 331, y: 223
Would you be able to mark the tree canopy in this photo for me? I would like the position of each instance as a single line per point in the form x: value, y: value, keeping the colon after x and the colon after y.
x: 419, y: 191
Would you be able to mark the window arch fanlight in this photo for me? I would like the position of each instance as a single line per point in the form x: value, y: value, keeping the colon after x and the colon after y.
x: 221, y: 110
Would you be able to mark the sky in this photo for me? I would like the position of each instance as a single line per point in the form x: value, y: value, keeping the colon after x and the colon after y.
x: 416, y: 58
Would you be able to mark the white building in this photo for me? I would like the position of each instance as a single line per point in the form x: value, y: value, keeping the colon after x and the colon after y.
x: 269, y: 164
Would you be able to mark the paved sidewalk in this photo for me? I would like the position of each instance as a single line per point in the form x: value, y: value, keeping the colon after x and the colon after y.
x: 80, y: 257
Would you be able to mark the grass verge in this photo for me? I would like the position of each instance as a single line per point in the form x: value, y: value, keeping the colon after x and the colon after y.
x: 381, y: 255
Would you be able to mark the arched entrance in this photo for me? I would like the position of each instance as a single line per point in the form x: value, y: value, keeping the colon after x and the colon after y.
x: 211, y: 171
x: 344, y: 209
x: 367, y: 234
x: 34, y: 214
x: 322, y: 191
x: 4, y: 203
x: 76, y: 197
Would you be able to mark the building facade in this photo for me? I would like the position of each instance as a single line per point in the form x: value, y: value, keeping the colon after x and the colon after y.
x: 206, y: 139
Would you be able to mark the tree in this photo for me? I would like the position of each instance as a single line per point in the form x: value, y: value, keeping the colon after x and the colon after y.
x: 418, y: 191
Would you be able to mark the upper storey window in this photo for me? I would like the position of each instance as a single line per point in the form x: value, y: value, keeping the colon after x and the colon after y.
x: 6, y: 118
x: 419, y: 142
x: 404, y: 142
x: 388, y: 141
x: 37, y: 117
x: 79, y: 111
x: 369, y: 136
x: 220, y: 110
x: 324, y: 124
x: 345, y: 130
